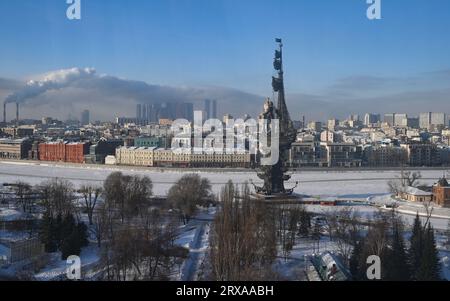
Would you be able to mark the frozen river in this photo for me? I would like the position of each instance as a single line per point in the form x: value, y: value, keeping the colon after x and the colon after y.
x: 349, y: 184
x: 346, y: 184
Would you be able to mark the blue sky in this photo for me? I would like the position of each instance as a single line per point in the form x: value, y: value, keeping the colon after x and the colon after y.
x: 226, y: 42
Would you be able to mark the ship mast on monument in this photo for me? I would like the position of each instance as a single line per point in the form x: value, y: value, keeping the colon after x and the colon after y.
x: 275, y: 176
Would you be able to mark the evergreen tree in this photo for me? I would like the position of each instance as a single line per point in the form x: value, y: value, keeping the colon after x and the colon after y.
x: 415, y: 252
x: 397, y: 268
x: 430, y: 267
x: 73, y: 237
x: 47, y: 233
x: 71, y: 245
x: 67, y: 227
x: 305, y: 223
x: 356, y: 264
x: 82, y: 233
x: 57, y: 228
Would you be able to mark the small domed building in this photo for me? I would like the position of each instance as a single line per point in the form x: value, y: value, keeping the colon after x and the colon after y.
x: 441, y: 193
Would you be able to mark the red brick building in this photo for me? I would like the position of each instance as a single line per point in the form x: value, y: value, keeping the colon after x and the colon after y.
x: 75, y: 152
x: 63, y: 152
x: 441, y: 193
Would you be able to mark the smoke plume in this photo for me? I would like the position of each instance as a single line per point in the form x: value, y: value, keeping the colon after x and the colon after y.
x: 52, y: 81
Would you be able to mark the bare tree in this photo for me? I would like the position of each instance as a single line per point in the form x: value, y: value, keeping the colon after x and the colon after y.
x: 114, y: 189
x: 377, y: 238
x: 406, y: 179
x: 90, y: 195
x: 429, y: 212
x: 395, y: 187
x: 101, y: 223
x: 317, y: 234
x: 128, y: 195
x: 410, y: 178
x: 288, y: 220
x: 143, y: 250
x: 57, y: 197
x: 189, y: 192
x: 23, y: 195
x: 243, y: 239
x: 331, y: 220
x: 347, y: 230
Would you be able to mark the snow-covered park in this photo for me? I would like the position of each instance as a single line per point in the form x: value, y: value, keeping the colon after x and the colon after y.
x: 366, y: 191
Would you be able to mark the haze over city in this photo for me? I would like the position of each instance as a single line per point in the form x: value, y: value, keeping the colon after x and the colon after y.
x: 186, y: 51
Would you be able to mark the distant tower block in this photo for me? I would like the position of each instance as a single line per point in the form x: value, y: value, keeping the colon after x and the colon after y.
x: 138, y: 112
x: 17, y: 113
x: 207, y: 109
x: 85, y: 117
x: 214, y: 109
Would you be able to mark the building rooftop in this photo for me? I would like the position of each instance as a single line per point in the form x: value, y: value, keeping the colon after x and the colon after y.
x: 4, y: 251
x: 417, y: 192
x: 443, y: 182
x: 330, y: 267
x: 11, y: 141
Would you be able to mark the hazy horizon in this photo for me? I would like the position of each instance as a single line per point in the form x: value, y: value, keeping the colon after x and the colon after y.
x: 337, y: 62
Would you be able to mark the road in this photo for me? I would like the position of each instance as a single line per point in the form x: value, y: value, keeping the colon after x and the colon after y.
x: 190, y: 269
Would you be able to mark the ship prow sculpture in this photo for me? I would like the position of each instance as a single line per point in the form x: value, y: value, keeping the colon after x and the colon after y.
x: 275, y: 176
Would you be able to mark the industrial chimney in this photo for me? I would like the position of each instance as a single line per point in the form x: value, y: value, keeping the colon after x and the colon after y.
x: 4, y: 112
x: 17, y: 113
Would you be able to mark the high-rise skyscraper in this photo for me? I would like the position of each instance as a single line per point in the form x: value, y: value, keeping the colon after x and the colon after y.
x: 389, y: 119
x: 207, y: 109
x: 85, y: 117
x: 138, y: 112
x: 401, y: 120
x: 214, y: 109
x: 144, y: 114
x: 371, y: 118
x: 184, y: 110
x: 429, y: 120
x: 154, y: 112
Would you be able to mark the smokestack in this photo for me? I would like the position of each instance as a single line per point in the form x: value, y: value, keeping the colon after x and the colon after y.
x: 17, y: 113
x: 4, y: 112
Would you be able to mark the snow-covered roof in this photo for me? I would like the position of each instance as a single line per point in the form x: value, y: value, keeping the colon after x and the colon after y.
x: 10, y: 215
x: 325, y: 264
x: 11, y: 141
x: 4, y: 250
x: 417, y: 192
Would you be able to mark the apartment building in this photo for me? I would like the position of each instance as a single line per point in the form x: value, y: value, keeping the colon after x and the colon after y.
x: 14, y: 149
x: 61, y: 151
x: 422, y: 154
x: 151, y: 156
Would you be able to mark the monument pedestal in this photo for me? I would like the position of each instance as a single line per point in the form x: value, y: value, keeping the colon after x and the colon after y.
x: 279, y: 199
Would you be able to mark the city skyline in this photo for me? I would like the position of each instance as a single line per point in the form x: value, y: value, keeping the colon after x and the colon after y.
x: 188, y: 51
